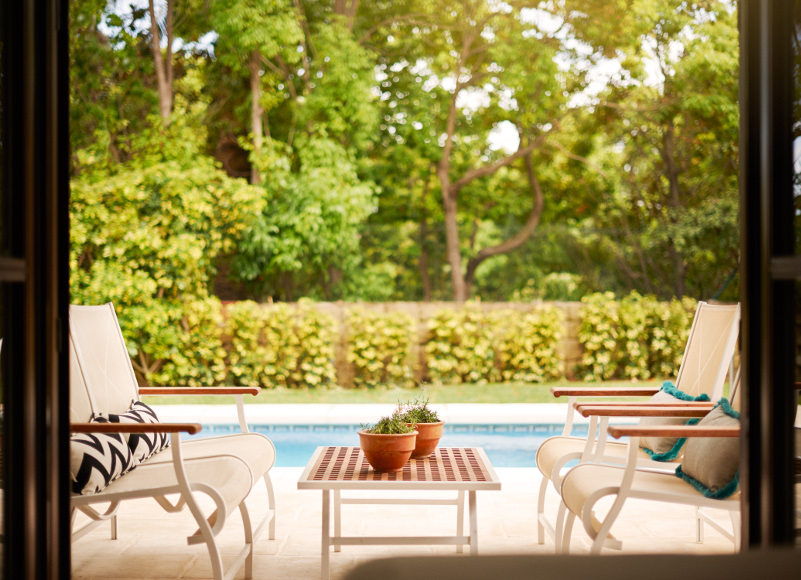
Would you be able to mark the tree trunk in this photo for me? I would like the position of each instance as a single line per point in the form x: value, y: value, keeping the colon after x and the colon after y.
x: 256, y: 113
x: 163, y: 71
x: 674, y: 201
x: 538, y: 203
x: 423, y: 263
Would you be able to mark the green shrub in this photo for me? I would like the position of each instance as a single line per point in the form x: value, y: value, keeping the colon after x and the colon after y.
x: 461, y: 346
x: 277, y: 345
x: 249, y: 355
x: 636, y: 338
x: 670, y: 324
x: 197, y: 357
x: 635, y: 315
x: 528, y: 350
x: 598, y: 335
x: 378, y: 347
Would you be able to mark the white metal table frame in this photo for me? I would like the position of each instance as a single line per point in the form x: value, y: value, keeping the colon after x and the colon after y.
x: 338, y: 485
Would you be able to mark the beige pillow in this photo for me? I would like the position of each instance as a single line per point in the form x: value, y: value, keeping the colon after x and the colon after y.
x: 667, y: 448
x: 712, y: 464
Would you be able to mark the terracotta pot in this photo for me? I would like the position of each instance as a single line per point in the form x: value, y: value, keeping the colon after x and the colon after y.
x: 428, y: 435
x: 387, y: 452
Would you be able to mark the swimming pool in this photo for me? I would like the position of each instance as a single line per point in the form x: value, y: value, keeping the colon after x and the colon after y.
x: 511, y: 445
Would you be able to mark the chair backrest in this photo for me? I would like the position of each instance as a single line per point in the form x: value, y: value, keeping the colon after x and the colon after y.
x: 102, y: 379
x: 709, y: 350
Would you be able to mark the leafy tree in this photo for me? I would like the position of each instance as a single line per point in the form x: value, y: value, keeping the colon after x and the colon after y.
x: 670, y: 118
x: 145, y: 237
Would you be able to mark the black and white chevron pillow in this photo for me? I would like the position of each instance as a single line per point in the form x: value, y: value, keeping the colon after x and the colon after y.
x: 97, y: 459
x: 142, y: 445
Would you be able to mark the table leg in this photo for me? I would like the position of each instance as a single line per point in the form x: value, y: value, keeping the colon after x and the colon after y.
x: 473, y: 523
x: 337, y: 519
x: 460, y: 519
x: 324, y: 573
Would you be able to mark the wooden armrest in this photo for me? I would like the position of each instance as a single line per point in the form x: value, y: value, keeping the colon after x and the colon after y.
x: 190, y: 428
x: 618, y: 431
x: 604, y: 391
x: 689, y: 404
x: 641, y: 411
x: 199, y: 390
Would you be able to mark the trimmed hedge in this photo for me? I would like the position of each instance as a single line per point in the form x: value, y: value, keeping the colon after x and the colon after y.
x: 293, y: 346
x: 379, y: 346
x: 637, y: 337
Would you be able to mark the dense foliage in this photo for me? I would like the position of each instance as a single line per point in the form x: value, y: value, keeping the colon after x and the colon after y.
x: 405, y: 150
x: 635, y: 338
x: 379, y: 347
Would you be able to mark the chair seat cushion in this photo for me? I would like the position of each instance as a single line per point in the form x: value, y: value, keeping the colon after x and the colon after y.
x: 256, y: 450
x: 97, y: 459
x: 712, y: 464
x: 667, y: 448
x: 227, y: 474
x: 143, y: 445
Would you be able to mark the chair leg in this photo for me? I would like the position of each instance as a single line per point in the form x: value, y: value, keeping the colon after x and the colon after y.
x: 460, y: 519
x: 114, y: 527
x: 565, y: 543
x: 736, y: 522
x: 560, y: 525
x: 248, y: 527
x: 541, y: 510
x: 699, y: 526
x: 271, y: 495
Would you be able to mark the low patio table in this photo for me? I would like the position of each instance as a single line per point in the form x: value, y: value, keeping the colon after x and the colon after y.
x: 459, y: 469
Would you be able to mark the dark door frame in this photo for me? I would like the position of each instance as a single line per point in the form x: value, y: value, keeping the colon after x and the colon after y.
x: 769, y: 269
x: 34, y: 277
x: 35, y: 289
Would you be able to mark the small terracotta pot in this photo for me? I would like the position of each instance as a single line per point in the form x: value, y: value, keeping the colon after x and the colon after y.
x: 428, y: 435
x: 387, y: 452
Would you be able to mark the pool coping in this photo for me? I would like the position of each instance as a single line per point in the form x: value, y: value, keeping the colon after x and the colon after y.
x: 355, y: 414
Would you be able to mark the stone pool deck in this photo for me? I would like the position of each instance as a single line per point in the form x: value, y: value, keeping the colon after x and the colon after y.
x: 152, y: 544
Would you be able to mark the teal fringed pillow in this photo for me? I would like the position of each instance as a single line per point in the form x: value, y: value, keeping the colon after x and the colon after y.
x: 667, y: 448
x: 712, y: 464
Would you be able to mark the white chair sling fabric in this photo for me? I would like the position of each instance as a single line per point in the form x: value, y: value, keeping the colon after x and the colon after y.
x: 707, y: 356
x: 226, y: 468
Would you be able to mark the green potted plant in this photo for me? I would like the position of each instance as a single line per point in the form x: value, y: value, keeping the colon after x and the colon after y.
x: 388, y: 444
x: 429, y: 428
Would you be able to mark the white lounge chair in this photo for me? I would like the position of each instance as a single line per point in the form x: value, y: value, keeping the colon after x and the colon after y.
x: 707, y: 357
x: 585, y: 484
x: 224, y: 468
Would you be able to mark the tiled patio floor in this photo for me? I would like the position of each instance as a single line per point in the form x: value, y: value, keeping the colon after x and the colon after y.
x: 152, y: 544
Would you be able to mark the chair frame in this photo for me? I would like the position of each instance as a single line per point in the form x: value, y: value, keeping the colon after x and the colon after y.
x: 627, y: 488
x: 185, y: 487
x: 593, y: 447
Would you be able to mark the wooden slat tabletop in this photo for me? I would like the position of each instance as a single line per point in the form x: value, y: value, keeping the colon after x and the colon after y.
x: 450, y: 467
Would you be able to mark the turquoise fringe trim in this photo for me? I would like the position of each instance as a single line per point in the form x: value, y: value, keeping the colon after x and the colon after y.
x: 724, y: 492
x: 673, y: 453
x: 724, y: 404
x: 674, y: 391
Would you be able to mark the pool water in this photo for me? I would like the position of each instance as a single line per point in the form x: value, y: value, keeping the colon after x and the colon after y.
x: 505, y: 445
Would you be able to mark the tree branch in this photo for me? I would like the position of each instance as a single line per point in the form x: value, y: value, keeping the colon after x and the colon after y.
x: 520, y: 237
x: 584, y: 160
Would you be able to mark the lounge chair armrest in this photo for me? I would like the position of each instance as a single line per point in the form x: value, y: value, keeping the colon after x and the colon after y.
x: 618, y: 431
x: 199, y: 390
x: 641, y: 411
x: 604, y: 391
x: 191, y: 428
x: 623, y: 404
